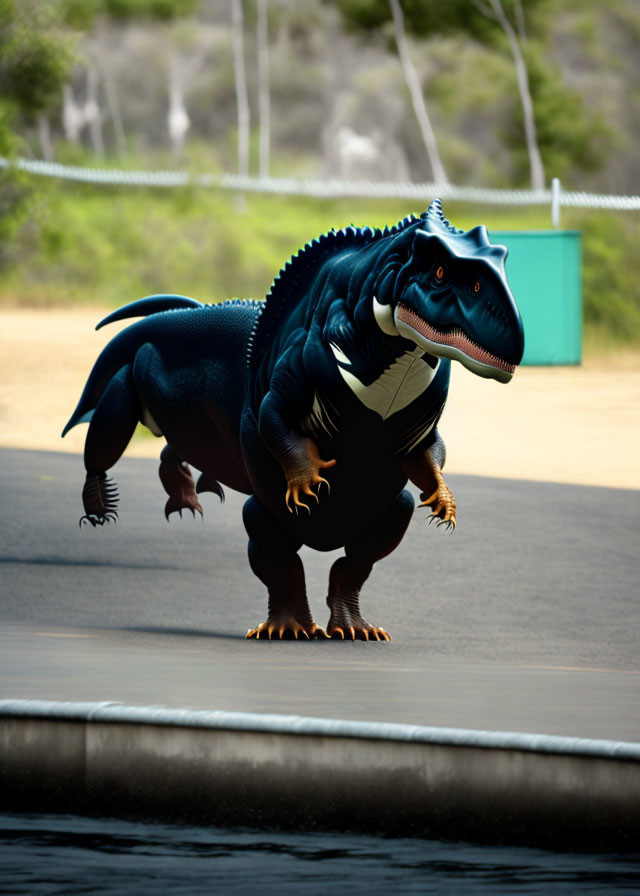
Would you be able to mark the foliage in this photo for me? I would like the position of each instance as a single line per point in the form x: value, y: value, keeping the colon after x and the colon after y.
x: 35, y: 59
x: 153, y: 9
x: 81, y: 13
x: 571, y: 138
x: 425, y: 18
x: 611, y: 276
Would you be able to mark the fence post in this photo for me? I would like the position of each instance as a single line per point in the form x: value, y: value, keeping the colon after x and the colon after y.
x: 555, y: 202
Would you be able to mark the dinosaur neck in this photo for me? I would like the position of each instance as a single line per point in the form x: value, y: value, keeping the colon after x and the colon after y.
x: 366, y: 262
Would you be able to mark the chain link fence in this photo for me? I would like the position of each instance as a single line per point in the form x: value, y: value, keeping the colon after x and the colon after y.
x: 330, y: 188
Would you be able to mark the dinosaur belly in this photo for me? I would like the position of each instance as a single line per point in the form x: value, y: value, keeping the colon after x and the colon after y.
x: 363, y: 483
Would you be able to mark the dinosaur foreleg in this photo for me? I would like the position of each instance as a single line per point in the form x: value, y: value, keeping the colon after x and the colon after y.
x: 303, y: 475
x: 112, y: 425
x: 287, y: 402
x: 349, y: 573
x: 274, y: 559
x: 178, y: 483
x: 424, y: 466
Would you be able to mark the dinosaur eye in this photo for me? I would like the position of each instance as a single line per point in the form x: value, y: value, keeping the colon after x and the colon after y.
x: 440, y: 273
x: 476, y: 287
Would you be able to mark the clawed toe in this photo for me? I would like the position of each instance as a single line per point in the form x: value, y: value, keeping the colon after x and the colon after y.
x: 100, y: 498
x: 96, y: 520
x: 173, y: 506
x: 443, y: 507
x: 286, y: 629
x: 362, y: 632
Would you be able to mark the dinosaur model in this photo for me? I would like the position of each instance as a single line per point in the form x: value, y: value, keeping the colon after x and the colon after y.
x: 319, y: 403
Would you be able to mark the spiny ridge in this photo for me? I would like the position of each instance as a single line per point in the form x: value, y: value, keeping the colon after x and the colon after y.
x: 314, y: 251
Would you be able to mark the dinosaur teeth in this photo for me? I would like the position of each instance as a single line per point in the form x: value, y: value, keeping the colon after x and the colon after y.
x: 453, y: 338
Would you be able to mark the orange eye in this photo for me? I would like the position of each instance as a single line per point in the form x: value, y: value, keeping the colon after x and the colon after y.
x: 476, y: 287
x: 440, y: 273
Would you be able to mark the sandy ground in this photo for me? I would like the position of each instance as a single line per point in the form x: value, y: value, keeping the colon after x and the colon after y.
x: 561, y: 424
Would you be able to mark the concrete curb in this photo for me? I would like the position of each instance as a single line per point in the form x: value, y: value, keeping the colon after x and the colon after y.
x: 298, y: 772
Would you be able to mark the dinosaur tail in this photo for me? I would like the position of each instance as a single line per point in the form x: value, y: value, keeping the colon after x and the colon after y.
x: 121, y: 350
x: 149, y: 305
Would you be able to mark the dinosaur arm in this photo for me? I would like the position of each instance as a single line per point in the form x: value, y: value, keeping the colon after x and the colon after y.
x: 287, y: 402
x: 424, y: 466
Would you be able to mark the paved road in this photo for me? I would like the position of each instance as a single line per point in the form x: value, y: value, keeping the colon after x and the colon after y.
x: 526, y: 618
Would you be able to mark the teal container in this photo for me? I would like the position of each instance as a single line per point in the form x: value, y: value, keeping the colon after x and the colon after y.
x: 544, y: 273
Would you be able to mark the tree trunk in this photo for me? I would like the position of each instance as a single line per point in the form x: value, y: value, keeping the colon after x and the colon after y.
x: 72, y: 116
x: 419, y: 107
x: 533, y: 150
x: 264, y: 104
x: 114, y: 111
x: 177, y: 116
x: 44, y: 136
x: 92, y: 114
x: 242, y: 100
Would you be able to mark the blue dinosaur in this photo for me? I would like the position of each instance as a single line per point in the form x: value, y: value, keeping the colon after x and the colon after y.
x: 319, y: 403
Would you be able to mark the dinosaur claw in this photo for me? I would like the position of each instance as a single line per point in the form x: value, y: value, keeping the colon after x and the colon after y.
x: 286, y: 628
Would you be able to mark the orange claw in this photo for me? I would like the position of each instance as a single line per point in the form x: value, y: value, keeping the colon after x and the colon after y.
x: 362, y: 633
x: 309, y: 481
x: 289, y: 625
x: 444, y: 501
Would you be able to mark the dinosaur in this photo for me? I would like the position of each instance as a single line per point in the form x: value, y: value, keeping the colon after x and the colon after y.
x: 319, y: 403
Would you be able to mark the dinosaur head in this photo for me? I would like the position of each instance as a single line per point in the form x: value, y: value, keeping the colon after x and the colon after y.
x: 452, y: 298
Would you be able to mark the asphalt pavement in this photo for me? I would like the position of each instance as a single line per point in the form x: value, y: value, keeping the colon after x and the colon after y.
x: 524, y: 619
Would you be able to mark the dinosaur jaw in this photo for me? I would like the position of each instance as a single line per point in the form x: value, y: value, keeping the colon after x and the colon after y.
x: 452, y: 343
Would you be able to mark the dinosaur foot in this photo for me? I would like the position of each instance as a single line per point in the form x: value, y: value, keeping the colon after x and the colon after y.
x: 346, y: 622
x: 178, y: 483
x: 183, y: 502
x: 286, y: 628
x: 357, y: 631
x: 442, y: 504
x: 100, y: 499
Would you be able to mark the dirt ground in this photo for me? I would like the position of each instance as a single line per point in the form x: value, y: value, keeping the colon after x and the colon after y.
x: 561, y: 424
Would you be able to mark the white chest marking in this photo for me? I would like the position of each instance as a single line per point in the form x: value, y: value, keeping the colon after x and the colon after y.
x: 400, y: 384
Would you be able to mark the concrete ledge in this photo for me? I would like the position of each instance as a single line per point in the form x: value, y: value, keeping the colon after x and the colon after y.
x: 294, y: 772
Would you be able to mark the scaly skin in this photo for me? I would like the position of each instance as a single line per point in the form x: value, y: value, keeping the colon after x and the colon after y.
x: 305, y: 479
x: 318, y: 404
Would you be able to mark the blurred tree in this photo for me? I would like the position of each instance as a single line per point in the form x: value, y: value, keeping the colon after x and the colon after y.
x: 35, y: 60
x: 491, y: 22
x: 417, y: 98
x: 242, y: 99
x: 264, y: 93
x: 495, y: 11
x: 374, y: 14
x: 90, y: 16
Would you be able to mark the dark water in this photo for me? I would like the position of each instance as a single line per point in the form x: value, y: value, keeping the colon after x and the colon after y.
x: 63, y: 854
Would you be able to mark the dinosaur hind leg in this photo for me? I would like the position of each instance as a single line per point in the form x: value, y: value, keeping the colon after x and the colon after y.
x: 112, y: 425
x: 178, y: 483
x: 273, y: 556
x: 349, y: 573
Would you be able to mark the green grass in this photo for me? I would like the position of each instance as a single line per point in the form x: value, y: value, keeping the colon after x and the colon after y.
x: 80, y: 244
